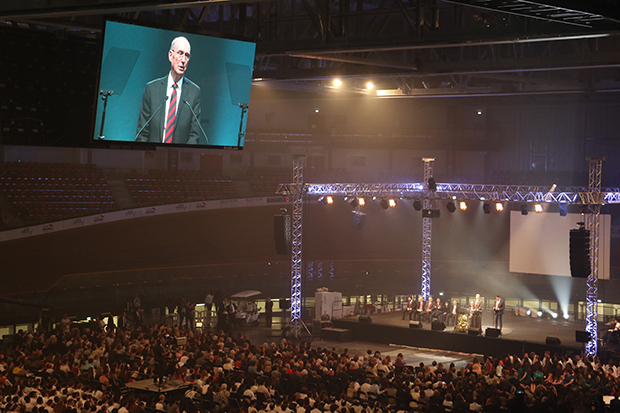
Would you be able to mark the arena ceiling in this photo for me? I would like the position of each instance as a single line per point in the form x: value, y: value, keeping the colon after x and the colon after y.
x: 406, y: 48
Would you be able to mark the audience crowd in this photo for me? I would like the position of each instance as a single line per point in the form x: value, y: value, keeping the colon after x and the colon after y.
x: 82, y: 371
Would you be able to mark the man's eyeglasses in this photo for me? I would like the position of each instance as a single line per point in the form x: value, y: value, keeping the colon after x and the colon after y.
x: 180, y: 55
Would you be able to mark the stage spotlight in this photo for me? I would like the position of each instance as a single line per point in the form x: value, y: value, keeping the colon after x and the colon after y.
x: 539, y: 313
x: 529, y: 312
x: 326, y: 200
x: 538, y: 208
x: 353, y: 201
x: 566, y: 316
x: 499, y: 207
x: 384, y: 203
x: 432, y: 185
x: 486, y: 208
x: 554, y: 315
x: 337, y: 82
x: 361, y: 201
x: 563, y: 210
x: 392, y: 203
x: 450, y: 206
x: 417, y: 205
x: 463, y: 205
x: 369, y: 86
x: 374, y: 198
x: 524, y: 210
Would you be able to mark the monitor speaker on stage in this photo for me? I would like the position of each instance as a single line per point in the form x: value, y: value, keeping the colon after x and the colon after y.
x: 553, y: 341
x: 365, y: 319
x: 438, y: 326
x: 492, y: 332
x: 582, y: 336
x: 475, y: 332
x: 415, y: 324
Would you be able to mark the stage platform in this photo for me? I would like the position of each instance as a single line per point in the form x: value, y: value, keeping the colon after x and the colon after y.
x: 519, y: 334
x: 169, y: 386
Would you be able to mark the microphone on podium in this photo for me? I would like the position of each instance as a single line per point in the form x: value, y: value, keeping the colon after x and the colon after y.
x: 151, y: 118
x: 196, y: 119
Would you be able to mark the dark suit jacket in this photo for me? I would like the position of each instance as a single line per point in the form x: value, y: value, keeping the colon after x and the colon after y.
x: 500, y: 306
x: 186, y: 129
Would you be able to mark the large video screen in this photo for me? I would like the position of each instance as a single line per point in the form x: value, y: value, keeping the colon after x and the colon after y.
x: 170, y: 88
x: 539, y: 243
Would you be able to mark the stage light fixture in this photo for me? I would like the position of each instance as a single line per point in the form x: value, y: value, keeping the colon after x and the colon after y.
x: 524, y: 210
x: 463, y: 205
x: 566, y: 316
x: 539, y: 313
x: 392, y: 203
x: 554, y: 315
x: 486, y: 208
x: 326, y: 200
x: 432, y: 185
x: 417, y: 205
x: 563, y: 210
x: 450, y: 206
x: 353, y: 201
x: 499, y: 207
x: 369, y: 86
x: 337, y: 82
x: 529, y: 312
x: 384, y: 203
x: 361, y: 201
x: 538, y: 208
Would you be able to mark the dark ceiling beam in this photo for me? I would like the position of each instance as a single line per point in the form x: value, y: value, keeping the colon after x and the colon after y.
x: 361, y: 61
x: 35, y: 9
x: 339, y: 47
x: 576, y: 13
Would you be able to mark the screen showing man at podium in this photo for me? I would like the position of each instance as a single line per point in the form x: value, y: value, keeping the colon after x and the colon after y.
x: 170, y: 88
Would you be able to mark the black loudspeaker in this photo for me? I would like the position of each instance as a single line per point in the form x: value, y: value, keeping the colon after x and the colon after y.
x: 475, y: 332
x: 579, y: 253
x: 553, y: 341
x: 582, y: 336
x: 492, y: 332
x: 365, y: 319
x: 415, y: 324
x: 438, y: 326
x: 282, y: 234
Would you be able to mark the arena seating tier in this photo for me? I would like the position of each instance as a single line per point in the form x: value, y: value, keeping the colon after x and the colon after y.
x: 169, y: 187
x: 44, y: 192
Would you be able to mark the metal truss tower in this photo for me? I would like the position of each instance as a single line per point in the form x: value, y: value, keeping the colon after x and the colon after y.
x: 296, y: 244
x: 427, y: 229
x: 593, y: 225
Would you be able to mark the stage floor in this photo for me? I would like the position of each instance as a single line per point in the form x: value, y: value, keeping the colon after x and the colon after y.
x: 533, y: 330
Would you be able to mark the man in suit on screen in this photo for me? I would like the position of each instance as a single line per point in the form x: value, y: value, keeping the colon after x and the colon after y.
x: 167, y: 104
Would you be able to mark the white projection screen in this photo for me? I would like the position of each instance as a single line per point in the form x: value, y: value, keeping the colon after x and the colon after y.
x: 539, y: 243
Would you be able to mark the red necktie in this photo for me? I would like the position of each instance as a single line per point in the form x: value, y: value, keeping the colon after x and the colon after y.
x: 172, y: 115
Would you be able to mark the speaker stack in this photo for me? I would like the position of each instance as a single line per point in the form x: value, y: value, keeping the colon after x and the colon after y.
x: 579, y: 253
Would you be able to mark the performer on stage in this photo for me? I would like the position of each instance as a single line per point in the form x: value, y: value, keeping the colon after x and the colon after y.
x: 476, y: 314
x: 428, y: 309
x: 408, y: 310
x: 498, y: 310
x: 453, y: 314
x: 419, y: 310
x: 436, y: 309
